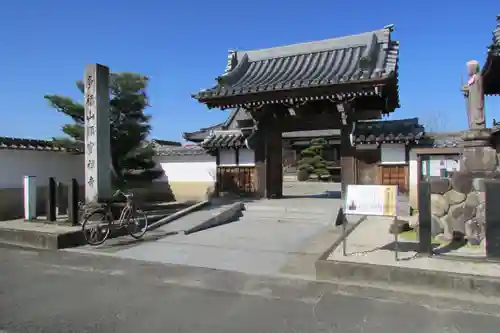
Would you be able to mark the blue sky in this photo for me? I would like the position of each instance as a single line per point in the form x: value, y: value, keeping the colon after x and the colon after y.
x: 182, y: 46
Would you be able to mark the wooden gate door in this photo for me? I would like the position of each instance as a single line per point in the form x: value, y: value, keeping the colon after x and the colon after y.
x: 395, y: 175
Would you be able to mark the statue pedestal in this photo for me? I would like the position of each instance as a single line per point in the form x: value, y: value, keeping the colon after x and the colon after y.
x: 476, y: 137
x: 478, y: 155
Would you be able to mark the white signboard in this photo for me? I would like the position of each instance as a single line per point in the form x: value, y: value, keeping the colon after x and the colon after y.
x: 379, y: 200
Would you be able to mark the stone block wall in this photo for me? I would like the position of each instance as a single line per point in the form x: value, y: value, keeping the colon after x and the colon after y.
x: 458, y: 202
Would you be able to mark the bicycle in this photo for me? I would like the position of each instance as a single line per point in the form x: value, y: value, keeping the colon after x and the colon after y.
x: 97, y: 223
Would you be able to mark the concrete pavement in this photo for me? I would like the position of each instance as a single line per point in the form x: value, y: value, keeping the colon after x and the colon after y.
x: 284, y: 236
x: 68, y: 292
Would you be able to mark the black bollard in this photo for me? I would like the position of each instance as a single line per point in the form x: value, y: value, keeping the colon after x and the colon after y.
x: 62, y: 204
x: 73, y: 200
x: 492, y: 207
x: 51, y: 200
x: 424, y: 218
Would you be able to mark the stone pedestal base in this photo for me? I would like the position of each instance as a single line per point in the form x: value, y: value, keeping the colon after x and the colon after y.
x: 476, y: 137
x: 458, y: 203
x: 478, y: 155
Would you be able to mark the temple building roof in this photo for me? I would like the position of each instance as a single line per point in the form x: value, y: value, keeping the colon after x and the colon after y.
x: 181, y: 151
x: 241, y: 117
x: 389, y: 131
x: 236, y: 138
x: 491, y: 69
x: 165, y: 143
x: 236, y: 119
x: 365, y: 64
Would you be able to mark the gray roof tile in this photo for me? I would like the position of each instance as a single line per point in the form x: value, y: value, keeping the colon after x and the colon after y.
x: 236, y: 116
x: 366, y: 57
x: 444, y: 139
x: 181, y: 151
x: 391, y: 131
x: 227, y: 138
x: 165, y: 143
x: 41, y: 145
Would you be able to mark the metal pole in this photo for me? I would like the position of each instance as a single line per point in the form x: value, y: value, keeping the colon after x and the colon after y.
x: 344, y: 237
x: 396, y: 243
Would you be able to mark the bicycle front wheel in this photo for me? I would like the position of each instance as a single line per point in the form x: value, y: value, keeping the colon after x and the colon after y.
x: 137, y: 224
x: 96, y: 227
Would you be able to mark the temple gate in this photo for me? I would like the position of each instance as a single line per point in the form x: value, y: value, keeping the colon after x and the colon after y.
x: 309, y: 86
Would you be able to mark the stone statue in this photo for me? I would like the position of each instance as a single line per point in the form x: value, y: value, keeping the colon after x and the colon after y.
x: 473, y: 92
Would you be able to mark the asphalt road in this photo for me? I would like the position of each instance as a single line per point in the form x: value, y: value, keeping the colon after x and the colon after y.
x: 70, y: 292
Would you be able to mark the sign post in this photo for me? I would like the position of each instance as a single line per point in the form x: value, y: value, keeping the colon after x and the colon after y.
x: 97, y: 134
x: 374, y: 200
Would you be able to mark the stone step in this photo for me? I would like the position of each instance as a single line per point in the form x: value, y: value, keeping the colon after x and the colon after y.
x: 210, y: 216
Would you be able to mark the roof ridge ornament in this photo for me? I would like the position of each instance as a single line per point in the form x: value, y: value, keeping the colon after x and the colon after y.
x: 389, y: 27
x: 232, y: 61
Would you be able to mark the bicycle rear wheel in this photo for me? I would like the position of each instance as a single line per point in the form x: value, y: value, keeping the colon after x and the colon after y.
x: 96, y: 227
x: 137, y: 224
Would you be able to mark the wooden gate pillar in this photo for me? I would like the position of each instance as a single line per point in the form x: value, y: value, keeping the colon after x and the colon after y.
x: 260, y: 163
x: 269, y: 160
x: 274, y: 159
x: 347, y: 158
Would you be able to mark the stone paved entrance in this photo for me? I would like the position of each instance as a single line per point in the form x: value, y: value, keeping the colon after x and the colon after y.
x: 283, y: 236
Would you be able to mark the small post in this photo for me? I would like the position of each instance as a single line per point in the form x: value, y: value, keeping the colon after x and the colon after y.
x: 344, y: 238
x: 73, y: 194
x: 424, y: 218
x: 396, y: 243
x: 492, y: 234
x: 341, y: 220
x: 29, y: 198
x: 62, y: 205
x: 51, y: 200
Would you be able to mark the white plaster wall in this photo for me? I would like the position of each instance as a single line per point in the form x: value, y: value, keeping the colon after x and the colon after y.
x: 393, y: 153
x: 436, y: 163
x: 15, y: 164
x: 413, y: 180
x: 187, y: 169
x: 227, y: 157
x: 247, y: 157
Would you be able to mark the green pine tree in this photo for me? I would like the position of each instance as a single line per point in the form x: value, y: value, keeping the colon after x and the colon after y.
x: 312, y: 161
x: 132, y: 155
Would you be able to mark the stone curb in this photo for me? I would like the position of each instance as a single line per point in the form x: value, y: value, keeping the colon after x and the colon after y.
x: 350, y: 228
x: 332, y: 270
x: 177, y: 215
x: 41, y: 240
x: 227, y: 215
x: 474, y: 284
x: 54, y: 241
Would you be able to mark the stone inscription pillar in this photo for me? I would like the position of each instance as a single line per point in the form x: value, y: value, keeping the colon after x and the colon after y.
x: 97, y: 134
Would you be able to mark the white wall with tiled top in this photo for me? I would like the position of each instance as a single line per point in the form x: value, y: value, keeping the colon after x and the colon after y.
x: 15, y: 164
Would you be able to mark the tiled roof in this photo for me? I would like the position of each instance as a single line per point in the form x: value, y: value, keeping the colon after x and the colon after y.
x: 444, y: 140
x: 391, y: 131
x: 227, y: 138
x: 166, y: 143
x: 236, y: 115
x: 40, y: 145
x: 366, y: 59
x: 181, y: 151
x: 491, y: 69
